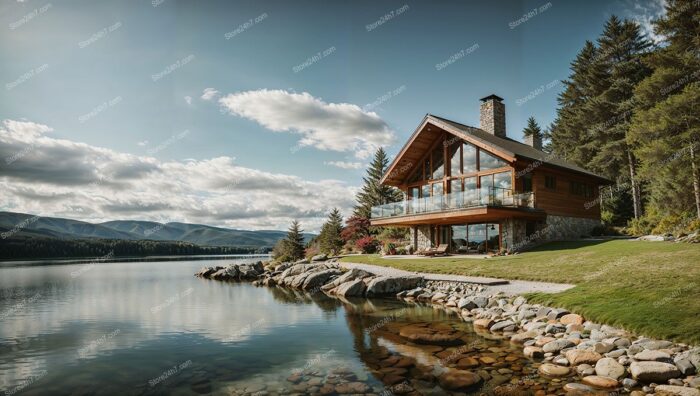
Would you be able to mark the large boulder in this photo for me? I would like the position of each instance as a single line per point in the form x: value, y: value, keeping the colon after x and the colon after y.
x: 249, y: 271
x: 653, y: 371
x: 382, y: 285
x: 319, y: 257
x: 205, y: 272
x: 346, y: 277
x: 230, y: 272
x: 317, y: 279
x: 353, y: 288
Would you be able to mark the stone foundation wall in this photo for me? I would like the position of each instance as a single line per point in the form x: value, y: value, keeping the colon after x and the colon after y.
x: 420, y: 237
x: 512, y: 234
x: 563, y: 227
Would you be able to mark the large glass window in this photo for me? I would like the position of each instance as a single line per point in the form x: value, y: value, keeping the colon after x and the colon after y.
x: 454, y: 155
x: 455, y: 193
x: 437, y: 189
x: 471, y: 194
x: 502, y: 180
x: 469, y: 158
x: 488, y: 161
x: 455, y: 186
x: 425, y: 191
x: 459, y: 239
x: 486, y: 183
x: 438, y: 163
x: 476, y: 238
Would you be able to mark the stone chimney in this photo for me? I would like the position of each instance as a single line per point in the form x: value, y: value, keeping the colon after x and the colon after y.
x: 534, y: 141
x: 493, y: 116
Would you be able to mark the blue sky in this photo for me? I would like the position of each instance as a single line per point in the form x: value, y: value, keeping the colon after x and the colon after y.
x: 86, y: 76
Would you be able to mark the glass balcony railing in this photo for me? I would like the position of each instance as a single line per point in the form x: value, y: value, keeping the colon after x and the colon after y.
x: 487, y: 196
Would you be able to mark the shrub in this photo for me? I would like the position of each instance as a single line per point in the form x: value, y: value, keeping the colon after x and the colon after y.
x: 639, y: 227
x: 693, y: 226
x: 367, y: 244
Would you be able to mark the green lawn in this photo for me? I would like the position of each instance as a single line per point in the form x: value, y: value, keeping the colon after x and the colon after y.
x: 649, y: 288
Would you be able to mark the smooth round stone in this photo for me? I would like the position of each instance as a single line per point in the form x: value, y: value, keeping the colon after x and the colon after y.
x: 467, y: 363
x: 458, y: 379
x: 609, y: 367
x: 600, y: 382
x: 580, y: 356
x: 574, y: 389
x: 552, y: 370
x: 571, y: 319
x: 487, y: 360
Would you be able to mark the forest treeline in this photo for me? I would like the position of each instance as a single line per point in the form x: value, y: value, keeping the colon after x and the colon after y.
x: 21, y: 247
x: 630, y: 111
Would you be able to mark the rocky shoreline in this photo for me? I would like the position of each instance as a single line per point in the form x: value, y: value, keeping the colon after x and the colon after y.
x: 593, y: 359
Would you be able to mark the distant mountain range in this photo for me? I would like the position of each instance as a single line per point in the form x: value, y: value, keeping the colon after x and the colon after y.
x: 27, y: 225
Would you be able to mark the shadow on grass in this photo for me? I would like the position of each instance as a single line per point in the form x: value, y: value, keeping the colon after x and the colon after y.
x: 567, y: 245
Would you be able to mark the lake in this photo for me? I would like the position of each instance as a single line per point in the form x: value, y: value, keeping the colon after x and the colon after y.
x: 143, y: 328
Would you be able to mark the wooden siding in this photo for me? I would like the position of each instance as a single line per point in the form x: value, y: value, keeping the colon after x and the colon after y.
x: 560, y: 201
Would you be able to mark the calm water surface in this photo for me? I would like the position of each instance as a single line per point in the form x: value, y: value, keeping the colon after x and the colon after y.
x: 138, y: 328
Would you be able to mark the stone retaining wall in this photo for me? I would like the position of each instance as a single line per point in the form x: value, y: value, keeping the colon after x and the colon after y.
x: 563, y: 227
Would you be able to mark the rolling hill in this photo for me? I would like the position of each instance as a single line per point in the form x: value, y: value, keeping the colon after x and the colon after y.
x: 27, y: 225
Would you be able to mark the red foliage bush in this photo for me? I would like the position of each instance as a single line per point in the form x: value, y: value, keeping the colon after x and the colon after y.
x: 367, y: 244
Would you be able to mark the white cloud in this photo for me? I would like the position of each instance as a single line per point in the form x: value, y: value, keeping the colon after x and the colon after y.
x: 345, y: 165
x: 143, y: 143
x: 63, y: 178
x: 209, y: 94
x: 188, y: 99
x: 645, y: 13
x: 340, y: 127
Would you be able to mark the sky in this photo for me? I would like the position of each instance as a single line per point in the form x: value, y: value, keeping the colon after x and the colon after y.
x: 248, y: 114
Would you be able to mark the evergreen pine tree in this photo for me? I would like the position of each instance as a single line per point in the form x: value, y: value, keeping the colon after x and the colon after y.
x: 622, y: 47
x: 532, y: 128
x: 593, y: 121
x: 330, y: 240
x: 373, y: 193
x: 666, y: 127
x: 294, y: 242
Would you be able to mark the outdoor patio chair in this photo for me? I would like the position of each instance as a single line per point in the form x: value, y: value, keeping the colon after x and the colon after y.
x: 441, y: 250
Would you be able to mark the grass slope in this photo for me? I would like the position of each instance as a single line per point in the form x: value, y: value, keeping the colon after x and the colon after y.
x: 649, y: 288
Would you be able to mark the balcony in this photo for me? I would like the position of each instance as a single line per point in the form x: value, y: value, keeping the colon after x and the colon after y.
x: 484, y: 197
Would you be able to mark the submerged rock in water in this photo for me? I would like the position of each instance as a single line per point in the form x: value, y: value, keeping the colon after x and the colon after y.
x: 455, y: 380
x: 428, y: 335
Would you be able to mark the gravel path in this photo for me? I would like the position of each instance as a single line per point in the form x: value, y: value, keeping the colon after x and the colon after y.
x: 495, y: 285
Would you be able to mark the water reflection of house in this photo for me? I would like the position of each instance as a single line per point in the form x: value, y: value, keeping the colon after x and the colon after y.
x: 479, y: 191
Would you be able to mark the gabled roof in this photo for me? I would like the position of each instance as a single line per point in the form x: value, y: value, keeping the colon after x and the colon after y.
x: 507, y: 148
